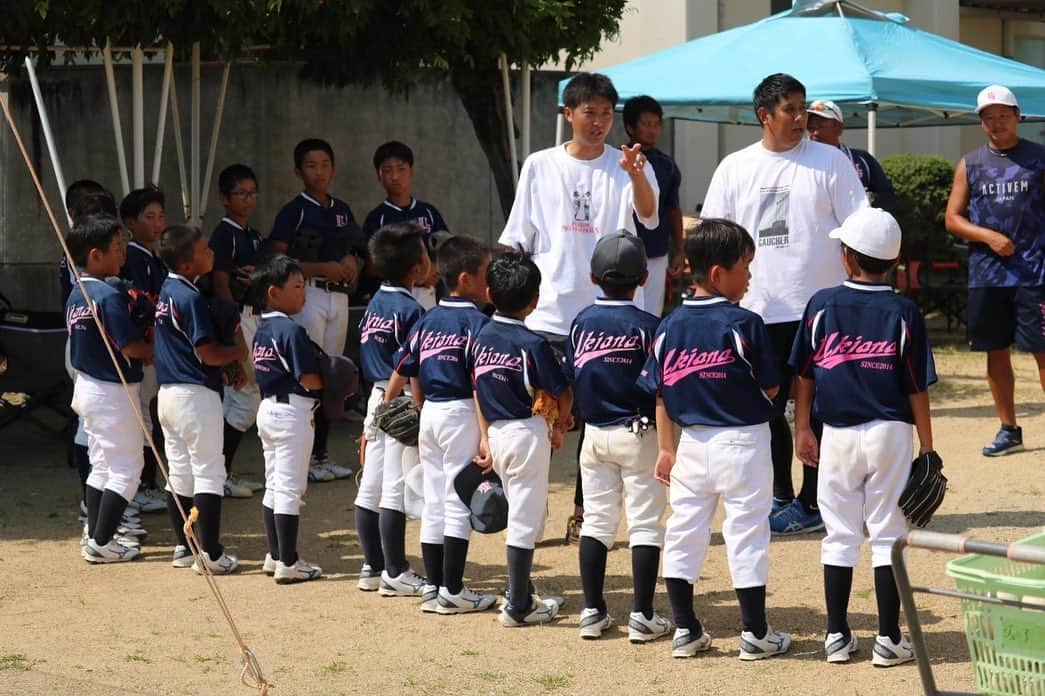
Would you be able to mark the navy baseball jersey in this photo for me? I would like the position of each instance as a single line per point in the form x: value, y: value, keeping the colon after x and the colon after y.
x: 282, y: 354
x: 144, y: 269
x: 439, y: 349
x: 305, y: 211
x: 183, y: 321
x: 711, y: 363
x: 87, y: 352
x: 866, y: 349
x: 608, y: 347
x: 510, y: 362
x: 234, y: 246
x: 386, y: 325
x: 424, y: 214
x: 1007, y: 195
x: 669, y: 178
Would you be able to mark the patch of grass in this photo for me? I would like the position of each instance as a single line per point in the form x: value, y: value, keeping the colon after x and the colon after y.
x: 216, y: 658
x: 489, y: 676
x: 864, y: 593
x: 469, y: 653
x: 335, y: 667
x: 16, y: 661
x: 137, y: 656
x: 551, y: 682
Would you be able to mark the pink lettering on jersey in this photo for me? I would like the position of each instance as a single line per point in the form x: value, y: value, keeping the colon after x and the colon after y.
x: 837, y: 349
x: 262, y: 353
x: 374, y: 325
x: 77, y: 314
x: 679, y: 364
x: 436, y: 342
x: 489, y: 360
x: 591, y: 346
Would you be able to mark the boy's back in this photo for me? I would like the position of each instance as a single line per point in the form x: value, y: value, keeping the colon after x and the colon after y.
x: 144, y: 269
x: 385, y: 326
x: 439, y: 348
x: 183, y: 321
x: 866, y: 348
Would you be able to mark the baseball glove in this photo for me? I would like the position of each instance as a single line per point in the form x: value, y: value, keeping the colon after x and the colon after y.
x: 306, y: 245
x: 400, y: 419
x: 544, y: 404
x: 925, y: 489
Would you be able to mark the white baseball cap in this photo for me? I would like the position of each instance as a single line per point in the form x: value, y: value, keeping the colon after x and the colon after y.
x: 871, y: 231
x: 826, y: 109
x: 995, y: 94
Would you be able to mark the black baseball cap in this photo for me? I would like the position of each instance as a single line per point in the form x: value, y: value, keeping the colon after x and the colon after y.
x: 484, y: 496
x: 619, y: 259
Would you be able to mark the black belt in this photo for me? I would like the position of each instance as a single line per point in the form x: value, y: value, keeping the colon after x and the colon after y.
x: 282, y: 398
x: 330, y: 286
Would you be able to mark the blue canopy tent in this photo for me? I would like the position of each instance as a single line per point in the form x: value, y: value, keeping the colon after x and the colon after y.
x: 881, y: 71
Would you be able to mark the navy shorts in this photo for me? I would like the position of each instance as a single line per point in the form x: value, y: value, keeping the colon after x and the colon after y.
x: 999, y: 317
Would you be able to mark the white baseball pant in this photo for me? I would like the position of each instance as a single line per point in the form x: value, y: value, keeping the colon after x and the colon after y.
x: 150, y: 387
x: 522, y: 452
x: 733, y: 463
x: 241, y: 407
x: 114, y: 437
x: 654, y: 288
x: 617, y: 464
x: 369, y: 494
x: 80, y: 438
x: 190, y: 415
x: 286, y: 432
x: 325, y: 318
x: 447, y: 443
x: 400, y: 462
x: 863, y: 471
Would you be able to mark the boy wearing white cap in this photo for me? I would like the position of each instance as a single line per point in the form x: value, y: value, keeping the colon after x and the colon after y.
x: 825, y: 125
x: 864, y: 364
x: 997, y: 204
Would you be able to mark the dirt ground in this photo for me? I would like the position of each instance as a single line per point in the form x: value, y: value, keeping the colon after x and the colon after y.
x: 144, y: 627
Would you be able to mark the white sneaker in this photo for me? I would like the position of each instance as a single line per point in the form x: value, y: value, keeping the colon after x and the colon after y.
x: 82, y: 515
x: 132, y: 541
x: 685, y: 644
x: 337, y: 471
x: 774, y: 643
x: 113, y: 552
x: 318, y: 473
x: 429, y: 599
x: 83, y: 537
x: 235, y: 489
x: 406, y: 584
x: 593, y: 623
x: 182, y: 557
x: 301, y: 571
x: 226, y: 564
x: 369, y: 579
x: 131, y: 531
x: 464, y: 603
x: 130, y: 518
x: 643, y: 630
x: 839, y: 648
x: 269, y: 566
x: 886, y: 653
x: 542, y: 611
x: 149, y: 500
x: 254, y: 486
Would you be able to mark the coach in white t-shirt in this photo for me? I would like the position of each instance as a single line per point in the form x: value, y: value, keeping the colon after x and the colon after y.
x: 789, y: 193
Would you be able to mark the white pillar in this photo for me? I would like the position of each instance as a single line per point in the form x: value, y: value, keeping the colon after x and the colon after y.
x: 194, y: 134
x: 45, y: 123
x: 114, y: 109
x: 138, y: 115
x: 513, y: 155
x: 161, y: 123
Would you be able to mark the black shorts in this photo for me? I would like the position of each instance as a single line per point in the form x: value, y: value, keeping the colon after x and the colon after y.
x: 999, y: 317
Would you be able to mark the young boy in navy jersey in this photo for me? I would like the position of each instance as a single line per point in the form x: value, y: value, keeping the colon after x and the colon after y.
x: 864, y: 365
x: 399, y: 253
x: 142, y: 212
x: 714, y: 373
x: 609, y: 344
x: 99, y: 398
x: 437, y: 354
x: 236, y: 247
x: 509, y: 363
x: 189, y: 359
x: 330, y: 277
x: 289, y: 380
x: 394, y: 163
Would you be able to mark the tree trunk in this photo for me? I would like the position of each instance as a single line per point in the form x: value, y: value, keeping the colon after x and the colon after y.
x: 482, y: 95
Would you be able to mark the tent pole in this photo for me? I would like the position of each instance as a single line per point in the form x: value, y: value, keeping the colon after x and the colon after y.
x: 214, y: 138
x: 513, y: 155
x: 114, y: 108
x: 872, y: 121
x: 194, y: 136
x: 526, y: 110
x: 161, y: 124
x: 560, y: 126
x: 138, y: 115
x: 45, y: 123
x: 179, y: 150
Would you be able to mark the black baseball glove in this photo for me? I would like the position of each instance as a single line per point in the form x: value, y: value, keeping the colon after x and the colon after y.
x: 306, y: 245
x: 925, y: 489
x: 400, y: 419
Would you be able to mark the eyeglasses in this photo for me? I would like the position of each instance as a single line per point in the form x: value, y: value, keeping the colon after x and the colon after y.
x: 244, y: 195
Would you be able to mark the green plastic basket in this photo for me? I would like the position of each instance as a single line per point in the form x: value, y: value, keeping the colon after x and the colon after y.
x: 1007, y: 644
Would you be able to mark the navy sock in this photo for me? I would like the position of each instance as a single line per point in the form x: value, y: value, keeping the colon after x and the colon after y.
x: 455, y: 552
x: 753, y: 609
x: 92, y: 498
x: 369, y: 531
x: 432, y: 555
x: 645, y: 561
x: 233, y: 436
x: 177, y: 523
x: 83, y: 467
x: 287, y: 531
x: 520, y: 563
x: 838, y: 585
x: 593, y: 572
x: 782, y: 451
x: 110, y: 509
x: 268, y: 518
x: 888, y: 598
x: 680, y: 595
x: 209, y: 524
x: 319, y: 444
x: 392, y: 524
x: 148, y: 477
x: 807, y: 494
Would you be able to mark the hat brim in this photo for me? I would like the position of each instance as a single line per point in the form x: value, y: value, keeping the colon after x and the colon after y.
x: 825, y: 114
x: 469, y: 479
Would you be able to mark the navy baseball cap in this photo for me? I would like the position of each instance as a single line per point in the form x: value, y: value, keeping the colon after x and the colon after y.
x: 619, y: 258
x: 484, y: 496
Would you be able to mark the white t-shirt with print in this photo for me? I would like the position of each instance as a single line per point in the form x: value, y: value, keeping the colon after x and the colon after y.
x: 563, y: 205
x: 788, y: 202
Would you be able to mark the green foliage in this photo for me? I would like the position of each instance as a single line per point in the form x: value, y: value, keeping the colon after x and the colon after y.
x: 923, y: 185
